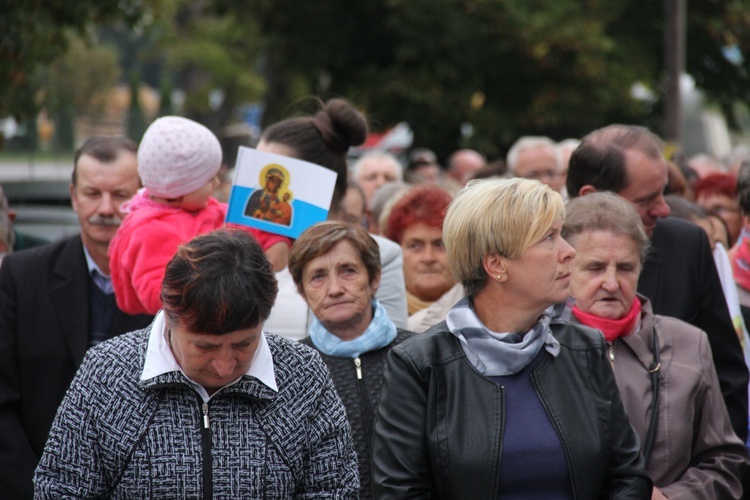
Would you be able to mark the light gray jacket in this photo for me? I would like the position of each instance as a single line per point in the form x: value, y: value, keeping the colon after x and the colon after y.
x: 431, y: 315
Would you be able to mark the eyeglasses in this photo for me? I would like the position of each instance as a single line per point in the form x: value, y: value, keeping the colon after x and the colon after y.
x: 719, y: 209
x: 542, y: 174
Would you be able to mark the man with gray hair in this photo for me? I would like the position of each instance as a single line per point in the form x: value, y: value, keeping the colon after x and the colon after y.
x: 679, y: 275
x: 374, y: 169
x: 537, y: 158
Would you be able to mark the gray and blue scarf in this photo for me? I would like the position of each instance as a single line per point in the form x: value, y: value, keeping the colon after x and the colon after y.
x: 500, y: 354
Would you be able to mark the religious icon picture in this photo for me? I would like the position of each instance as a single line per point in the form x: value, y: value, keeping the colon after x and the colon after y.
x: 279, y: 194
x: 273, y: 202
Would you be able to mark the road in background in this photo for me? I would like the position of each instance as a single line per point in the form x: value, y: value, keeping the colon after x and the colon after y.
x: 34, y: 169
x: 38, y: 192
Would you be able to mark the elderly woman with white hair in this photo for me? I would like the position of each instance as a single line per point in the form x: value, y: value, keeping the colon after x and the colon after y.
x: 663, y: 366
x: 505, y: 397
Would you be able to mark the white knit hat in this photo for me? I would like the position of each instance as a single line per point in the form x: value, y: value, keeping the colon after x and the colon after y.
x: 177, y: 156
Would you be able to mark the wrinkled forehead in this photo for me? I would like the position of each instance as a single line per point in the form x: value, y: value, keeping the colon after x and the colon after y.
x: 536, y: 158
x: 603, y: 245
x: 121, y: 172
x: 379, y: 166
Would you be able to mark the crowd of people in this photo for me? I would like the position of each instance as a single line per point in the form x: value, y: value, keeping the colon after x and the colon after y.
x: 567, y: 322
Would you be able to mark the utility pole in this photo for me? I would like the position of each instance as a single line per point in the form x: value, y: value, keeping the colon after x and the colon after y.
x: 674, y: 56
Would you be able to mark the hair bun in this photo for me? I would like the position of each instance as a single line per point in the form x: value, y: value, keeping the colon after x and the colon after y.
x: 340, y: 125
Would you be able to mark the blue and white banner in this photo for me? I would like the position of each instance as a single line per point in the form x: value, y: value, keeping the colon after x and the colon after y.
x: 279, y: 194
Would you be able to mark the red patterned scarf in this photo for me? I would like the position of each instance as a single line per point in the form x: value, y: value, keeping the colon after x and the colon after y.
x: 611, y: 328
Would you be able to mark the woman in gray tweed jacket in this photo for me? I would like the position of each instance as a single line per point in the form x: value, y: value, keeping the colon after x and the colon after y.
x: 203, y: 403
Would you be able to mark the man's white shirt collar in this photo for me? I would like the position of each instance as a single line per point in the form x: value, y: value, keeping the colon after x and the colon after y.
x: 160, y: 360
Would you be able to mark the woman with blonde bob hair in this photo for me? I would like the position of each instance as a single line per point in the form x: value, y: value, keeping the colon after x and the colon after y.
x: 505, y: 396
x: 512, y: 220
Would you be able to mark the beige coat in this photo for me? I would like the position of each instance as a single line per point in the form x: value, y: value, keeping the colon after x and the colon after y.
x: 436, y: 312
x: 696, y: 454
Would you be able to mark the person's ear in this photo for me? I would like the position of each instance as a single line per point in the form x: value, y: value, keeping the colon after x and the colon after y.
x: 375, y: 282
x: 73, y: 200
x: 746, y: 222
x: 496, y: 267
x: 587, y: 189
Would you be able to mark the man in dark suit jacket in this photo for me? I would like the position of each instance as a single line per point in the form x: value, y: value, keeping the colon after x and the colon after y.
x: 679, y: 275
x: 56, y: 302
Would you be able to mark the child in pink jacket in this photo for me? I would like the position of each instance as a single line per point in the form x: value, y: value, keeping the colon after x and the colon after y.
x: 178, y: 162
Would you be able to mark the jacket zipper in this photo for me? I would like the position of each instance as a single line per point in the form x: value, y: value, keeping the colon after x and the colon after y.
x: 208, y: 485
x: 611, y: 352
x: 502, y: 434
x: 365, y: 404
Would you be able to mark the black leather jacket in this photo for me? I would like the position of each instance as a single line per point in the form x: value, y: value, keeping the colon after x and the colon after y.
x: 439, y: 427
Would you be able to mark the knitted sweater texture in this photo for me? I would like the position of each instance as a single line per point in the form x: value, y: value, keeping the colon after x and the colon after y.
x: 120, y: 437
x: 360, y: 392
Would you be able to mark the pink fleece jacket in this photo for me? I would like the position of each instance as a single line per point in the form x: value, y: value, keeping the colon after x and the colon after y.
x: 147, y: 240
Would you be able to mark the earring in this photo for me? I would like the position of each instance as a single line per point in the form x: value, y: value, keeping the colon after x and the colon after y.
x: 500, y: 278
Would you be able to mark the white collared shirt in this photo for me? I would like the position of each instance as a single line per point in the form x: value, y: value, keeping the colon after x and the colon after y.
x: 160, y: 360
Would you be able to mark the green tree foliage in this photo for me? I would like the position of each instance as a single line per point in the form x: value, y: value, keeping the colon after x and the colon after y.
x: 712, y: 28
x: 80, y: 80
x: 210, y: 50
x: 165, y: 97
x: 34, y: 33
x: 64, y: 138
x: 509, y: 67
x: 76, y: 83
x: 136, y: 124
x: 26, y: 138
